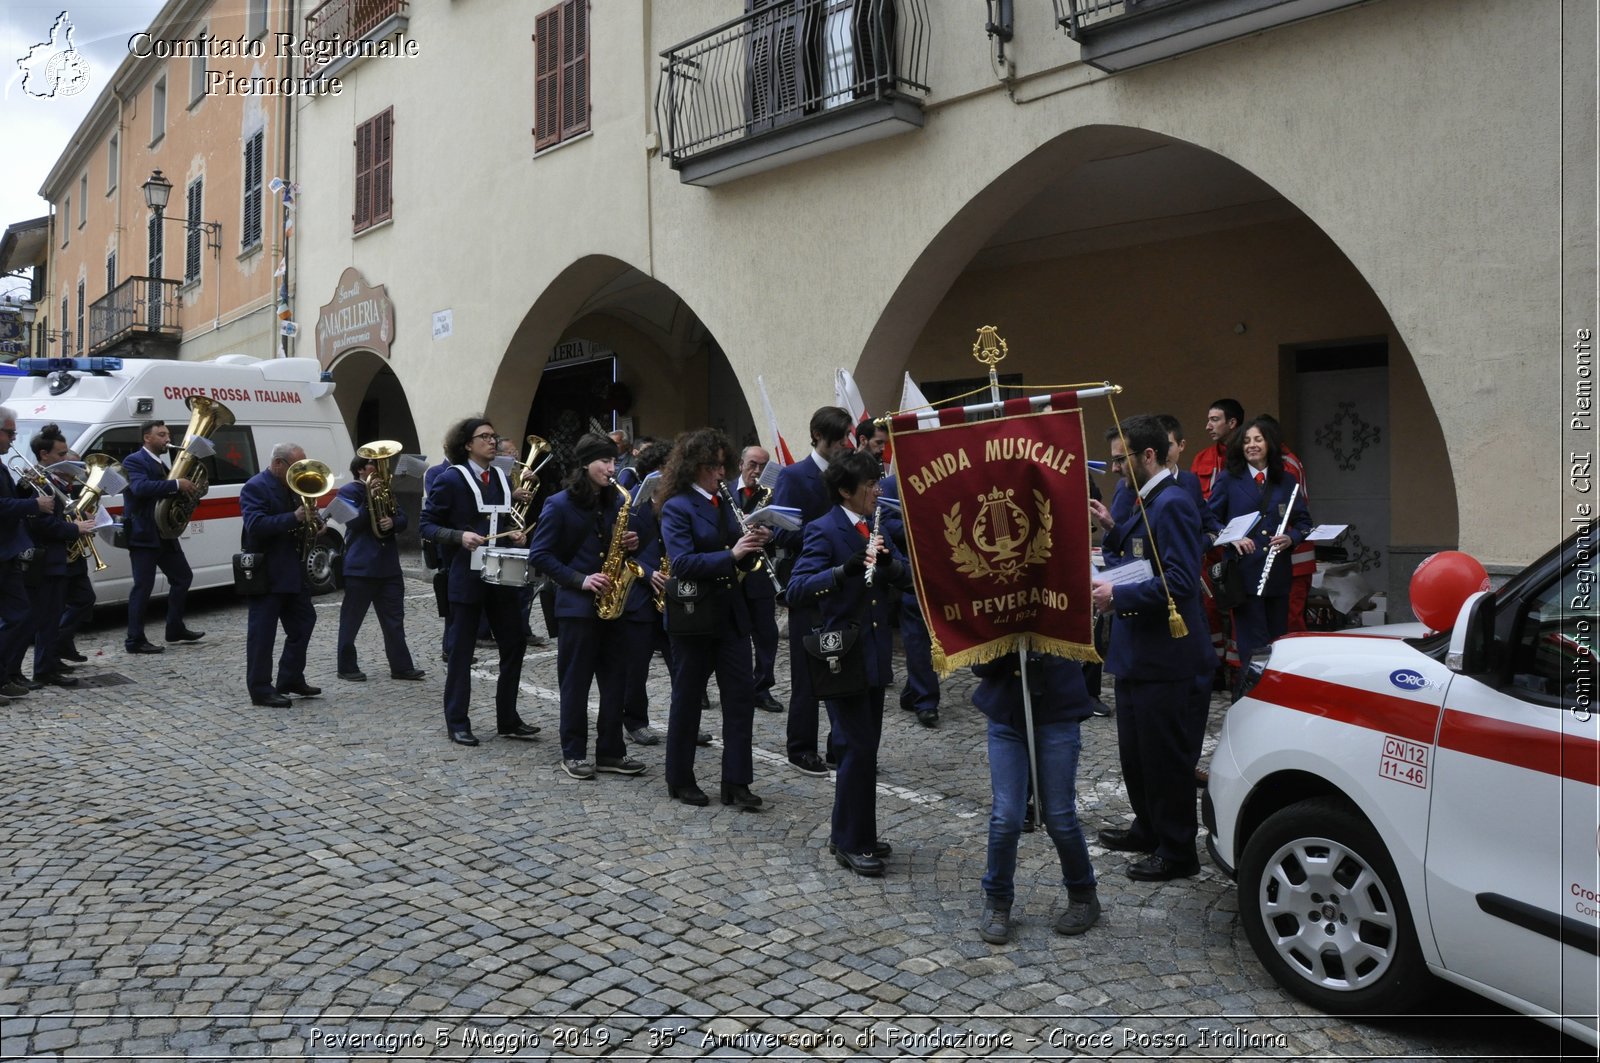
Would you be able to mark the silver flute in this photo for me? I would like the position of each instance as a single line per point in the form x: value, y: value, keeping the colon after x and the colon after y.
x: 877, y: 522
x: 1272, y: 555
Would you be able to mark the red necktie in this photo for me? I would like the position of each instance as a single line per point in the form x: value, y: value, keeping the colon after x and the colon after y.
x: 748, y: 491
x: 485, y: 477
x: 716, y: 503
x: 861, y: 526
x: 1261, y: 478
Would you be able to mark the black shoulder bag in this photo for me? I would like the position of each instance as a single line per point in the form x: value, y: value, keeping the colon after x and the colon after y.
x: 836, y: 660
x: 249, y: 571
x: 695, y: 606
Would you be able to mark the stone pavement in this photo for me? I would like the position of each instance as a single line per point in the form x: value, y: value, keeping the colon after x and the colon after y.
x: 185, y: 875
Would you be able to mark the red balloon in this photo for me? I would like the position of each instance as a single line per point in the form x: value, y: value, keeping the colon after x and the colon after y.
x: 1441, y: 583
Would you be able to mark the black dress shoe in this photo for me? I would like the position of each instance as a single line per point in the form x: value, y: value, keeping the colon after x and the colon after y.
x: 31, y: 684
x: 64, y: 668
x: 864, y: 864
x: 463, y: 738
x: 70, y: 653
x: 272, y: 701
x: 882, y: 850
x: 537, y: 642
x: 703, y: 738
x: 1124, y: 841
x: 146, y: 647
x: 521, y: 731
x: 689, y: 795
x: 187, y: 636
x: 767, y: 703
x: 56, y: 679
x: 739, y: 794
x: 413, y: 673
x: 1160, y: 869
x: 304, y: 689
x: 356, y: 676
x: 929, y: 719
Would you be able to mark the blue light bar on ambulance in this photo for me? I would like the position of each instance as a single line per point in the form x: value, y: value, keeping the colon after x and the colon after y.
x: 46, y: 366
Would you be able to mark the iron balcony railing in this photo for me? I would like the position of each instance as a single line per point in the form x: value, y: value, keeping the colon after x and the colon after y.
x: 137, y: 305
x: 1075, y: 16
x: 338, y: 21
x: 786, y: 61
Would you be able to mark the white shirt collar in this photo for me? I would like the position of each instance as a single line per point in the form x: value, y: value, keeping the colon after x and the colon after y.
x: 1144, y: 492
x: 855, y: 518
x: 822, y: 462
x: 703, y: 492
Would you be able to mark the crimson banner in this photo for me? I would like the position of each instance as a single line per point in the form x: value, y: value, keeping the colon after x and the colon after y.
x: 997, y: 525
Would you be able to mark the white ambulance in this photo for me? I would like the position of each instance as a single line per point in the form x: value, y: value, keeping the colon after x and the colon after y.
x: 99, y: 404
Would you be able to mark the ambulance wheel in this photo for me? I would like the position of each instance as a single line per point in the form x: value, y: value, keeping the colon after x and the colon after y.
x: 1323, y: 907
x: 322, y: 563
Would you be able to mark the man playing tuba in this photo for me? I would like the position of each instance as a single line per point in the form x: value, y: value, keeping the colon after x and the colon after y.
x: 372, y: 576
x: 146, y: 470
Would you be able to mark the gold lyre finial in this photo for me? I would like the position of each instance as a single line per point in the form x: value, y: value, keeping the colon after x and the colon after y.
x: 990, y: 349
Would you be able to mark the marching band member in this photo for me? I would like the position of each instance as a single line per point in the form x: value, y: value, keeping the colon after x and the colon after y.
x: 1163, y: 684
x: 146, y: 470
x: 15, y: 505
x: 831, y: 575
x: 463, y: 503
x: 636, y: 696
x: 79, y: 601
x: 704, y: 545
x: 372, y: 579
x: 273, y: 522
x: 51, y: 533
x: 578, y: 529
x: 800, y: 486
x: 760, y: 593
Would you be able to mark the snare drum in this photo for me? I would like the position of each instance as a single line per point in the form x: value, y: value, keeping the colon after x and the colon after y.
x: 506, y: 566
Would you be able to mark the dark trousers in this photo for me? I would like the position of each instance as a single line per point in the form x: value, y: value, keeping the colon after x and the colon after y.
x: 764, y: 639
x: 168, y: 557
x: 1257, y: 622
x: 499, y: 604
x: 638, y: 646
x: 921, y: 692
x: 47, y: 601
x: 694, y: 660
x: 802, y: 702
x: 857, y: 730
x: 592, y: 647
x: 294, y: 611
x: 1160, y: 725
x: 16, y: 627
x: 386, y: 597
x: 79, y: 604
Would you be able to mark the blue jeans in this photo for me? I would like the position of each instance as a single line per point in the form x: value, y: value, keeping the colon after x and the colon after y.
x: 1057, y: 745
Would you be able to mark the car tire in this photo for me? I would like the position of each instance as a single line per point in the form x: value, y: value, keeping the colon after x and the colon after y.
x: 322, y: 564
x: 1324, y: 909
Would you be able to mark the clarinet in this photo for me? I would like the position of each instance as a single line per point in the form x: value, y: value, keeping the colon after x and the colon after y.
x: 877, y: 522
x: 764, y: 562
x: 1266, y: 569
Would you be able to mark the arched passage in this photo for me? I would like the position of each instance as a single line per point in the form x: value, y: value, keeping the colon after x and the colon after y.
x: 606, y: 342
x: 1122, y: 254
x: 372, y: 401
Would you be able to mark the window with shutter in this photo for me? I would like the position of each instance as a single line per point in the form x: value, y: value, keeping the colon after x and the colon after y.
x: 251, y: 230
x: 80, y: 317
x: 66, y: 315
x: 111, y: 271
x: 363, y: 211
x: 561, y: 73
x: 382, y: 166
x: 191, y: 238
x: 153, y: 285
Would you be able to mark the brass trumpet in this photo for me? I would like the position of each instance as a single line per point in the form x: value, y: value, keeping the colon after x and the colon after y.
x: 310, y: 479
x: 521, y: 511
x: 380, y: 497
x: 103, y: 470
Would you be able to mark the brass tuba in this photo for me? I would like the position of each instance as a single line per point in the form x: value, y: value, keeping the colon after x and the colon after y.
x: 310, y: 479
x: 380, y: 497
x: 521, y: 510
x: 617, y: 566
x: 174, y: 511
x: 100, y: 467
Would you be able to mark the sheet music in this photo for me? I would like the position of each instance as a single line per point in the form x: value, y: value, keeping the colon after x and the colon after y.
x: 1130, y: 572
x: 1238, y: 528
x: 1326, y: 533
x: 785, y: 517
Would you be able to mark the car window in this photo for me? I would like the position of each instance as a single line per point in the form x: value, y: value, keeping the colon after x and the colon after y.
x: 118, y: 442
x: 235, y: 459
x: 1554, y: 652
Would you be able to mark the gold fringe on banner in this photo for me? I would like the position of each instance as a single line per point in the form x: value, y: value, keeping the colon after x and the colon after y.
x: 1009, y: 645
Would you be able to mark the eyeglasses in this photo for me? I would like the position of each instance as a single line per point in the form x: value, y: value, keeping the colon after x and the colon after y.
x: 487, y: 435
x: 1117, y: 459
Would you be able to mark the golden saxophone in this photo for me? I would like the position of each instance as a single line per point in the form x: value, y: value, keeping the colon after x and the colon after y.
x: 620, y: 569
x: 666, y: 573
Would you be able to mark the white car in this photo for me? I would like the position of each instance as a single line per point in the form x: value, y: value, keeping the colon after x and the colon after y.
x: 1394, y: 807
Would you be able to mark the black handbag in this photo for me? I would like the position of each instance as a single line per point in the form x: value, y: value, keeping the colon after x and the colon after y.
x: 30, y: 563
x: 250, y: 573
x: 1228, y: 586
x: 836, y: 662
x: 694, y: 607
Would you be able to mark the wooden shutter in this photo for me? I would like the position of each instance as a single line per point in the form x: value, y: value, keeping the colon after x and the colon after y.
x: 363, y: 214
x: 574, y: 67
x: 252, y: 190
x: 191, y: 249
x: 547, y: 79
x: 382, y: 166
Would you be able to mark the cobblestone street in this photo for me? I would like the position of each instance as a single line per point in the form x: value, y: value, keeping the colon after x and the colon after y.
x: 187, y: 875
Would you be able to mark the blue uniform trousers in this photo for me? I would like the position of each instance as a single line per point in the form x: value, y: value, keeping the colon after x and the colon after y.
x: 764, y: 638
x: 857, y: 730
x: 589, y: 648
x: 638, y: 641
x: 693, y: 662
x: 294, y: 611
x: 802, y: 702
x: 48, y: 601
x: 921, y: 692
x: 499, y: 604
x: 15, y: 616
x: 1257, y: 622
x: 168, y: 557
x: 80, y: 604
x: 385, y: 595
x: 1160, y: 725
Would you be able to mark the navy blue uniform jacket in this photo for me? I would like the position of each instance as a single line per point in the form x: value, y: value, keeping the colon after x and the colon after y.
x: 14, y: 506
x: 1142, y: 646
x: 698, y: 537
x: 271, y: 526
x: 800, y: 486
x: 1233, y: 496
x: 365, y: 554
x: 147, y: 484
x: 570, y: 542
x: 830, y: 540
x: 451, y: 506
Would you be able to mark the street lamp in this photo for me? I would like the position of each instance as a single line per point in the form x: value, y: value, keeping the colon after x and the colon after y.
x: 29, y: 314
x: 158, y: 191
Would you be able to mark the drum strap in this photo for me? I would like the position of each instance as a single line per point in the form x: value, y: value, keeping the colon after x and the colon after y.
x: 491, y: 511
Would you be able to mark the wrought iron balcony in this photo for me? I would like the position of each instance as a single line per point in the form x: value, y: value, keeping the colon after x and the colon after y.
x: 138, y: 308
x: 1115, y: 35
x: 790, y: 80
x: 336, y: 22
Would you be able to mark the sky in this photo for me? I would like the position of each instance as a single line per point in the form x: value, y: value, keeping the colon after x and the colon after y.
x: 35, y: 129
